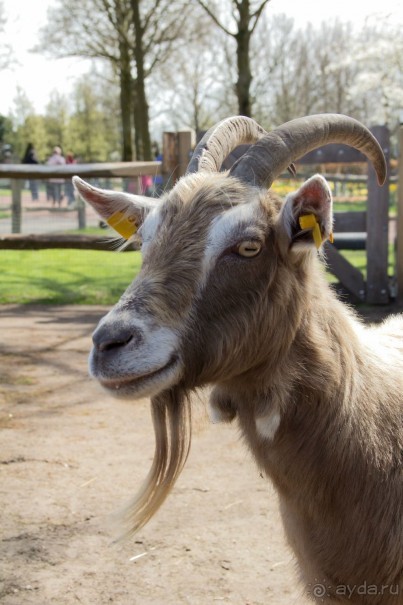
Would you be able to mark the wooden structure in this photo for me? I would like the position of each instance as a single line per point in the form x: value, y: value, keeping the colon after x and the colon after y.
x: 17, y: 173
x: 372, y: 225
x: 42, y: 241
x: 367, y: 230
x: 177, y: 147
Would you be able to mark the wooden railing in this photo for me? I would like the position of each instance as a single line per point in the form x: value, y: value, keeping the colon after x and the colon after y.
x: 18, y: 173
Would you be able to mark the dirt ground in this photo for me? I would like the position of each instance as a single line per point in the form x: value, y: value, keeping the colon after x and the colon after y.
x: 70, y: 456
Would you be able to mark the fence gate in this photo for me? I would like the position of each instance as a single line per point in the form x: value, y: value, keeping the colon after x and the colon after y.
x: 370, y: 227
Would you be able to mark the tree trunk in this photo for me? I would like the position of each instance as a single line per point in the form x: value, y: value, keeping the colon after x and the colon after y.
x: 243, y: 61
x: 137, y: 124
x: 126, y: 102
x: 141, y: 105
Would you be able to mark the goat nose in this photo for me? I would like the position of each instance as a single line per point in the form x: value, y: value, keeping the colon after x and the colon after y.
x: 106, y: 338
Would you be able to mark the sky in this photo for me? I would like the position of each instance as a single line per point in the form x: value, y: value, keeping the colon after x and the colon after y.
x: 39, y: 76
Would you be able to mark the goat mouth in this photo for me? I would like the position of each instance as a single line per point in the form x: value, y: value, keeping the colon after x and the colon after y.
x: 129, y: 385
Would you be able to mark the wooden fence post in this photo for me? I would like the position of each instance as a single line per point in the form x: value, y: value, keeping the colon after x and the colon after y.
x: 378, y: 228
x: 399, y: 235
x: 169, y: 158
x: 16, y: 210
x: 81, y: 214
x: 176, y: 148
x: 184, y: 149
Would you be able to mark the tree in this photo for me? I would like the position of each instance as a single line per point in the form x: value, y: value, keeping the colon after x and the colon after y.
x: 192, y: 89
x: 378, y: 86
x: 133, y: 36
x: 245, y: 15
x: 300, y: 71
x: 105, y: 36
x: 93, y: 132
x: 56, y: 119
x: 6, y: 130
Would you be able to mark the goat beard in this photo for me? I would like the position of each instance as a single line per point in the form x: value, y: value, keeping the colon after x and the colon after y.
x: 171, y: 416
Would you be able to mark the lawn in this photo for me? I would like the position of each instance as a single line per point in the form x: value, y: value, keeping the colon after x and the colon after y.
x: 84, y: 276
x: 65, y: 276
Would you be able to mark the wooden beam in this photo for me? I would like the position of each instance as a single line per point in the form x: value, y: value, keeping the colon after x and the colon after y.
x: 350, y: 241
x: 169, y: 158
x: 16, y: 209
x: 107, y: 170
x: 184, y: 148
x: 350, y: 277
x: 51, y: 240
x: 347, y: 222
x: 378, y: 228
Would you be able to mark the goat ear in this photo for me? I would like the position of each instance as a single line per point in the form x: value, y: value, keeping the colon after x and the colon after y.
x: 307, y: 215
x: 122, y: 211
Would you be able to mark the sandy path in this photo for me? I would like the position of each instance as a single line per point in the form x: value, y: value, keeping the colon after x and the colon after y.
x: 70, y: 455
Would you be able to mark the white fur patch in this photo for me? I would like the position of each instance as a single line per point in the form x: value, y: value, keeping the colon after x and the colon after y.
x: 224, y: 229
x: 267, y: 425
x: 149, y: 228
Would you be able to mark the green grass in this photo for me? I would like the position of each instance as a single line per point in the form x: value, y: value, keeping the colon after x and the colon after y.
x: 86, y: 276
x: 357, y: 206
x: 65, y: 276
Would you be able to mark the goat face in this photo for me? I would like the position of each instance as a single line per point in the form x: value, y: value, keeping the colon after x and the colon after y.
x: 216, y: 254
x: 228, y: 272
x: 224, y: 261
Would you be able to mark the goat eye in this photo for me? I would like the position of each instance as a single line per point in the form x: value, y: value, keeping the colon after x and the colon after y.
x: 249, y: 248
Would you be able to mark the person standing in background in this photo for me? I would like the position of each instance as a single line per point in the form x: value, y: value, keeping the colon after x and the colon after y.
x: 30, y: 158
x: 55, y: 184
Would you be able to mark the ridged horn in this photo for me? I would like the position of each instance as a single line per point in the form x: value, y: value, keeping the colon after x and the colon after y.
x: 271, y: 154
x: 220, y: 140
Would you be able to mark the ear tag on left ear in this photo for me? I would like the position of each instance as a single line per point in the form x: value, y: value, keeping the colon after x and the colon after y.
x: 308, y: 221
x: 124, y: 225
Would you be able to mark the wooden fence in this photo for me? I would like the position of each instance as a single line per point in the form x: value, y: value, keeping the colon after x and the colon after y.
x: 368, y: 229
x: 18, y: 173
x: 375, y: 290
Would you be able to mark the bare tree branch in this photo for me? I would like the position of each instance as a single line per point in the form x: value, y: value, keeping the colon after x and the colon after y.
x: 214, y: 18
x: 257, y: 14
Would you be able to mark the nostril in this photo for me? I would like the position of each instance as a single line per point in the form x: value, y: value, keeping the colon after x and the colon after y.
x: 114, y: 344
x: 109, y: 337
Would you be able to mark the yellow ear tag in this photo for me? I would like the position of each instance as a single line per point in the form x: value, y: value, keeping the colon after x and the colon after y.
x: 123, y: 224
x: 308, y: 221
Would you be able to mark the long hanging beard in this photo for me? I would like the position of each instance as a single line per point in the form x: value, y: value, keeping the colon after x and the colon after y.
x: 171, y: 415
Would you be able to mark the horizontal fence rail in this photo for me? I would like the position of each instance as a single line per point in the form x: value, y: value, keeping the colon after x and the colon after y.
x: 65, y: 171
x: 18, y: 173
x: 43, y: 241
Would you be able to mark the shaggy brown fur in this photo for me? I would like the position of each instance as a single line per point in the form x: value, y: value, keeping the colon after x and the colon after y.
x: 317, y: 395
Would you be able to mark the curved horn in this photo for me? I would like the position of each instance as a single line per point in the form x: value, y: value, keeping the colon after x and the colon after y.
x: 220, y: 140
x: 271, y: 155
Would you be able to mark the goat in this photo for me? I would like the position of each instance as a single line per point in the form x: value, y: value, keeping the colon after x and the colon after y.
x: 232, y: 294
